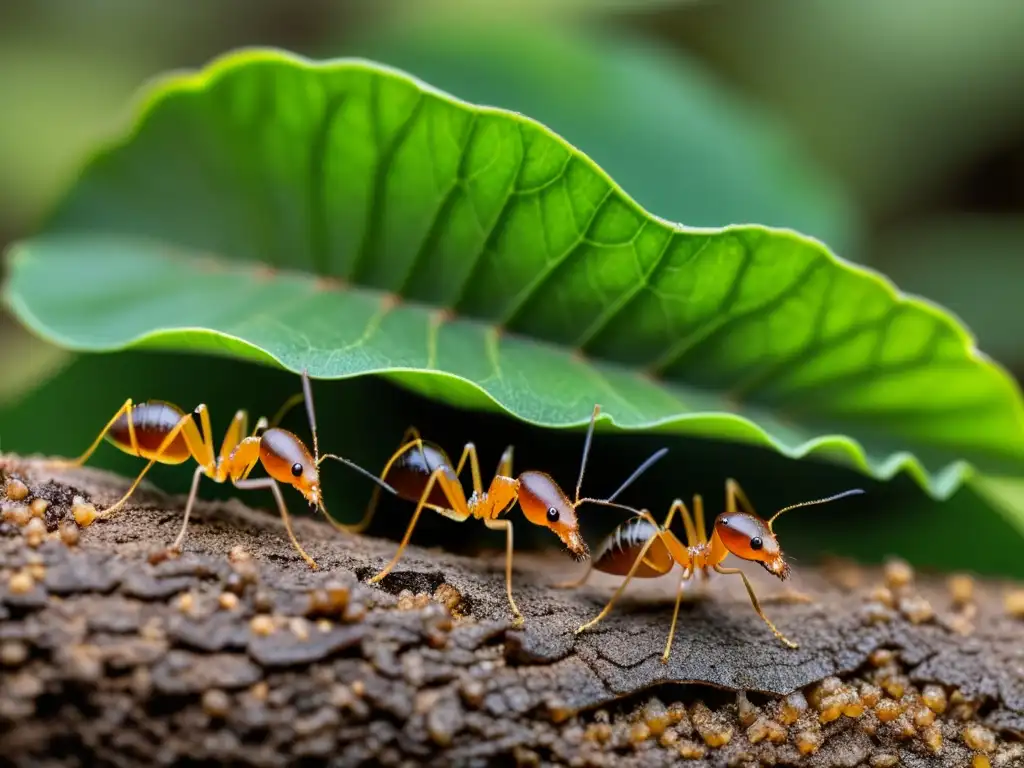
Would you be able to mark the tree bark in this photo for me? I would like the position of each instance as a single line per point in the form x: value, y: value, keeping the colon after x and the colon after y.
x: 236, y: 652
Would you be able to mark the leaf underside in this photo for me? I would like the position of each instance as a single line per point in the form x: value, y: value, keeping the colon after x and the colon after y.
x: 349, y: 219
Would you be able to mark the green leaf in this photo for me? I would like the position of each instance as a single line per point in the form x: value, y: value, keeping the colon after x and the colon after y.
x: 1006, y: 494
x: 684, y: 146
x: 350, y: 219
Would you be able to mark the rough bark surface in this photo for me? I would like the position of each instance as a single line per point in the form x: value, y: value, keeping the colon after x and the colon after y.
x: 237, y: 652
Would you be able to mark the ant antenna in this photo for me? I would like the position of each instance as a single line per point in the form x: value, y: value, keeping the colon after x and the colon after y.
x: 851, y: 492
x: 586, y: 451
x: 656, y: 456
x: 357, y: 468
x: 307, y: 392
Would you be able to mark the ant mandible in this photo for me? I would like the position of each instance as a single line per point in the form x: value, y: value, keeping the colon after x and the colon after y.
x: 640, y: 548
x: 421, y: 471
x: 163, y: 433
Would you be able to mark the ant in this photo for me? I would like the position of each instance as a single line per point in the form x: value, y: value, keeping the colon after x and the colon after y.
x: 641, y: 548
x: 163, y: 433
x: 421, y: 471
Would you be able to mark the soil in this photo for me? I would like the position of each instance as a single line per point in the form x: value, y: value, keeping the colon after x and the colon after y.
x: 237, y: 652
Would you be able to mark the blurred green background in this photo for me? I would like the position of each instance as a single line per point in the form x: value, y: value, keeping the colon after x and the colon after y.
x: 894, y: 132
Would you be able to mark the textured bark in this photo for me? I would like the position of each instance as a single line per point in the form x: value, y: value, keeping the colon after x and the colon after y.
x: 128, y: 662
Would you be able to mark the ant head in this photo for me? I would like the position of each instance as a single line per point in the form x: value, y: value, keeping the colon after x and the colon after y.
x: 544, y: 503
x: 287, y: 460
x: 751, y: 538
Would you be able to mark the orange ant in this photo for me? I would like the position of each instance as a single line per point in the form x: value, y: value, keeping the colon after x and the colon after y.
x: 641, y: 548
x: 425, y: 475
x: 163, y: 433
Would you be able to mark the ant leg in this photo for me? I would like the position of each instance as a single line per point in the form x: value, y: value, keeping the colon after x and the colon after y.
x: 756, y: 604
x: 698, y: 516
x: 474, y: 466
x: 683, y: 577
x: 497, y: 525
x: 84, y: 457
x: 234, y: 435
x: 164, y: 445
x: 734, y: 494
x: 622, y: 586
x: 505, y: 464
x: 290, y: 403
x: 691, y: 531
x: 176, y: 546
x: 269, y: 482
x: 435, y: 477
x: 410, y: 439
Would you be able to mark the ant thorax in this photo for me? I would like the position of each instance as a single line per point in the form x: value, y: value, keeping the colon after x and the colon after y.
x: 495, y: 501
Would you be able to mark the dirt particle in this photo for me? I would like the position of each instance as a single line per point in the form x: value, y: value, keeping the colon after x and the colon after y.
x: 17, y: 514
x: 921, y: 715
x: 916, y: 609
x: 884, y: 760
x: 979, y: 738
x: 472, y: 692
x: 13, y: 653
x: 887, y: 710
x: 691, y: 750
x: 186, y: 603
x: 656, y: 716
x: 934, y: 697
x: 69, y: 532
x: 669, y: 739
x: 883, y: 596
x: 745, y: 711
x: 877, y: 613
x: 961, y: 588
x: 216, y: 703
x: 710, y: 725
x: 299, y: 627
x: 260, y: 691
x: 898, y: 573
x: 639, y: 732
x: 261, y: 625
x: 15, y: 489
x: 34, y: 532
x: 932, y: 738
x: 792, y: 707
x: 83, y: 512
x: 808, y: 741
x: 764, y: 728
x: 450, y: 598
x: 238, y: 554
x: 38, y: 507
x: 21, y: 583
x: 1013, y: 603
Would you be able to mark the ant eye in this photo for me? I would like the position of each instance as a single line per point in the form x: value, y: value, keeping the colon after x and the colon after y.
x: 552, y: 515
x: 756, y: 543
x: 296, y: 469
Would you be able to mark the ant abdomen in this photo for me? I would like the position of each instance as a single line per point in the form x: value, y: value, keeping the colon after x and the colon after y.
x: 619, y: 551
x: 153, y: 421
x: 409, y: 473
